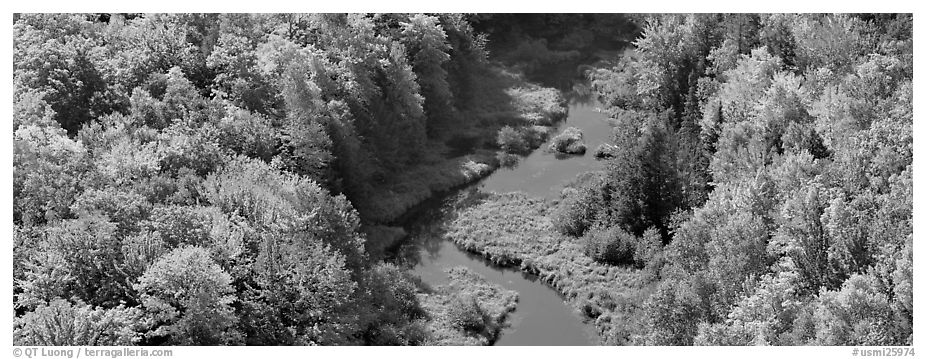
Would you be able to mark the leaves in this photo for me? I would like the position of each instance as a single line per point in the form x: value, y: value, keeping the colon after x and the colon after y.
x: 190, y: 297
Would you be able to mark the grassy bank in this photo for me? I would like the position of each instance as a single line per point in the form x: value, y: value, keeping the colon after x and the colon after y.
x: 468, y: 153
x: 513, y: 229
x: 467, y: 310
x: 390, y: 200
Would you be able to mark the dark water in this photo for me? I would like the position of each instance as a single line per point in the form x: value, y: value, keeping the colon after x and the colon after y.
x: 542, y: 317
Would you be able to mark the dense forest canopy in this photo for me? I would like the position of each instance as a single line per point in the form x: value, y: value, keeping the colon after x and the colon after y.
x: 772, y: 154
x: 204, y: 179
x: 185, y: 178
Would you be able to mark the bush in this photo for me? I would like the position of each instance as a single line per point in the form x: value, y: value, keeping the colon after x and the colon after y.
x: 648, y: 251
x: 538, y: 105
x: 569, y: 141
x: 465, y: 314
x: 573, y: 216
x: 605, y: 150
x: 536, y: 135
x: 521, y: 140
x: 579, y: 208
x: 610, y: 245
x: 508, y: 160
x: 512, y: 140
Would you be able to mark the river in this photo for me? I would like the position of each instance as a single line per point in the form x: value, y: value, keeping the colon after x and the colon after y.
x: 542, y: 316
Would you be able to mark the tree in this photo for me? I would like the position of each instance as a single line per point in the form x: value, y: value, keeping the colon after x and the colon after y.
x: 857, y: 314
x: 643, y: 189
x: 426, y: 43
x: 830, y: 41
x: 268, y: 199
x: 467, y: 58
x: 48, y: 168
x: 305, y: 293
x: 737, y: 257
x: 671, y: 315
x: 391, y: 307
x: 802, y: 236
x: 63, y: 323
x: 189, y: 297
x: 145, y: 45
x: 238, y: 77
x: 248, y: 133
x: 92, y: 256
x: 64, y: 64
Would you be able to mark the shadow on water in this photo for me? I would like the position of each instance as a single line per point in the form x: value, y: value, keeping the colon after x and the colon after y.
x: 542, y: 316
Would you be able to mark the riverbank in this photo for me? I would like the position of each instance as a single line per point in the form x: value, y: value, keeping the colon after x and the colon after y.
x: 513, y: 229
x: 515, y: 233
x: 470, y: 154
x: 467, y: 310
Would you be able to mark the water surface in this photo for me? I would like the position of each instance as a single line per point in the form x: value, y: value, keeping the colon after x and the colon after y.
x: 543, y: 174
x: 542, y: 316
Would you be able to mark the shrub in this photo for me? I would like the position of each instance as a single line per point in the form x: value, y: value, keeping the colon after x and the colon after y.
x: 521, y: 140
x: 512, y: 140
x: 578, y: 209
x: 605, y: 150
x: 538, y: 105
x: 648, y: 251
x: 569, y: 141
x: 536, y: 135
x: 465, y: 314
x: 610, y: 245
x: 508, y: 160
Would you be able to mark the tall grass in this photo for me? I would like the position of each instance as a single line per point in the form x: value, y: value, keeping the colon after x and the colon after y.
x: 468, y: 310
x: 513, y: 229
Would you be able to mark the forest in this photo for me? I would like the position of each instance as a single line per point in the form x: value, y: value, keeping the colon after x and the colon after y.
x: 245, y: 179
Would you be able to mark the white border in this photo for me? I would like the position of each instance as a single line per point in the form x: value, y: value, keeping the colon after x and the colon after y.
x: 477, y: 6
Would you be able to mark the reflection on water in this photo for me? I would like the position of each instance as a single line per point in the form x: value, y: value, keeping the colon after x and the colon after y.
x: 581, y: 94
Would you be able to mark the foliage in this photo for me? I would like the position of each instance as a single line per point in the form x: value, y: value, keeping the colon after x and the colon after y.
x: 202, y: 178
x: 745, y: 135
x: 521, y: 140
x: 511, y: 140
x: 63, y: 323
x: 467, y: 310
x: 671, y: 314
x: 610, y: 245
x: 569, y: 141
x: 48, y: 167
x: 513, y: 229
x: 189, y: 297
